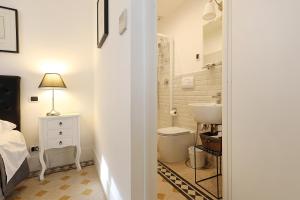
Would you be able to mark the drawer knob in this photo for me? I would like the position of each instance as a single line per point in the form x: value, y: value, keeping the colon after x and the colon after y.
x: 60, y: 132
x: 60, y: 123
x: 60, y: 142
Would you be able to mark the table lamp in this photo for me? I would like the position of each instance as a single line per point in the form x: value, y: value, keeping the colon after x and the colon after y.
x: 52, y: 81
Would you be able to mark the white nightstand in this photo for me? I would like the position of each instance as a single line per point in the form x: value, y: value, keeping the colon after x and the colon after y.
x: 58, y: 132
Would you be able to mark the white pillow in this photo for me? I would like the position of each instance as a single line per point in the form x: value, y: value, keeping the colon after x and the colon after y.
x: 6, y: 126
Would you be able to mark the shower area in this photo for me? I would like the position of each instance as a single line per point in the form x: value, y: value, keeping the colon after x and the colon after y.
x: 165, y: 81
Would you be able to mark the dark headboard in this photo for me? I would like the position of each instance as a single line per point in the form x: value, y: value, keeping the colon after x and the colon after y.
x: 10, y: 99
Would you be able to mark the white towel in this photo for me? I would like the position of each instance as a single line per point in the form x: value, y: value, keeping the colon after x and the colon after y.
x: 13, y: 151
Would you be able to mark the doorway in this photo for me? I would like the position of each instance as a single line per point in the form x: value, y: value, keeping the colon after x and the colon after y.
x: 210, y: 59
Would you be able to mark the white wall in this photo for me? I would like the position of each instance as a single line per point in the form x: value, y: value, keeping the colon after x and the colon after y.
x: 112, y: 92
x: 212, y: 37
x: 265, y: 99
x: 185, y: 26
x: 122, y: 117
x: 55, y: 36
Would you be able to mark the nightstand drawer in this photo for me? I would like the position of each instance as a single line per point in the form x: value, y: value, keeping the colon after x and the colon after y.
x: 63, y: 123
x: 59, y: 143
x: 60, y: 133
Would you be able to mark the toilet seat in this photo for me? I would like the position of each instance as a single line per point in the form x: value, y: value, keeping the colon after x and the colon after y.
x: 173, y: 131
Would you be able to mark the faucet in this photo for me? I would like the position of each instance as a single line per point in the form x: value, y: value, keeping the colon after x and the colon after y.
x: 218, y: 97
x: 212, y: 65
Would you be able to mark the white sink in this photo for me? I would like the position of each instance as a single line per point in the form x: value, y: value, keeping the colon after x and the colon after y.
x: 207, y: 113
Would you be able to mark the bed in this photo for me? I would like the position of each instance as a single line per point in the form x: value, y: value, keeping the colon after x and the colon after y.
x: 10, y: 111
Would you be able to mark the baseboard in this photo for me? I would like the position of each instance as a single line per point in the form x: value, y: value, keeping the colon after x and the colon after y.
x: 98, y: 164
x: 62, y: 168
x: 58, y: 157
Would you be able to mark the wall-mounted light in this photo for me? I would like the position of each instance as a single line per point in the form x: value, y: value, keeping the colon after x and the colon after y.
x: 210, y: 11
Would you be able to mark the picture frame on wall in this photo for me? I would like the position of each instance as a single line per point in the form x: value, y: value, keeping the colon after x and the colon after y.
x: 9, y: 33
x: 102, y: 22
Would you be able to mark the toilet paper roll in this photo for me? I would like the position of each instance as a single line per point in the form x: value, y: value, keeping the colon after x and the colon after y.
x: 173, y: 112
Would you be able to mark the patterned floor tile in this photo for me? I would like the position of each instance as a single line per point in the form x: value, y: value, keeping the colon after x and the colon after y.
x: 65, y: 197
x: 64, y: 185
x: 161, y: 196
x: 184, y: 187
x: 41, y: 193
x: 65, y: 178
x: 85, y: 182
x: 44, y: 182
x: 187, y: 173
x: 17, y: 198
x: 83, y: 173
x: 23, y: 187
x: 87, y: 192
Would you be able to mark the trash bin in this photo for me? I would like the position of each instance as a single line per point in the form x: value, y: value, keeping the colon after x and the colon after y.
x: 200, y: 157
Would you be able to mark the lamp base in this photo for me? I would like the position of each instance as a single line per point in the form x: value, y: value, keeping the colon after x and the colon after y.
x: 53, y: 113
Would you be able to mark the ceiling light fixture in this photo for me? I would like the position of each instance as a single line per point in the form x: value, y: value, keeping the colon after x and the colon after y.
x: 210, y: 11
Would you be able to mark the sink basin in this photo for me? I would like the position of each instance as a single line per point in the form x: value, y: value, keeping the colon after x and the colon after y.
x: 207, y: 113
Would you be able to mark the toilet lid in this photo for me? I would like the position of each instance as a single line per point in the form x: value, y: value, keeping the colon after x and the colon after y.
x: 173, y: 131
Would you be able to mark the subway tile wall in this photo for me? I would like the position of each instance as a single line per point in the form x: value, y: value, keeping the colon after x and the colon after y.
x: 206, y: 84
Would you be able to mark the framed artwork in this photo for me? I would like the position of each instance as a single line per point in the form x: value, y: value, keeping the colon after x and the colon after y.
x: 102, y: 22
x: 9, y: 39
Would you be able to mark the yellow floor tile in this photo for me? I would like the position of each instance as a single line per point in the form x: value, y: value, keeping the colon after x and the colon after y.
x: 68, y: 185
x: 87, y: 192
x: 41, y: 193
x: 64, y: 187
x: 65, y: 178
x: 65, y: 198
x: 85, y: 182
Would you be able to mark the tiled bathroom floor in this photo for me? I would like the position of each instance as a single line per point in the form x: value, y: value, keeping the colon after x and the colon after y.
x: 166, y: 190
x: 189, y: 175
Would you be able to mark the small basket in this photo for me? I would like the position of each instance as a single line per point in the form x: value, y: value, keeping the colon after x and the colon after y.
x: 211, y: 143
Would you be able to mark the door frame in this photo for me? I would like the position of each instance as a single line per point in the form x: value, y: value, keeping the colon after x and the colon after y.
x: 227, y: 101
x: 151, y: 88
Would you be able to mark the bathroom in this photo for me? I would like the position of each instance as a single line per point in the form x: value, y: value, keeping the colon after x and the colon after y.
x: 189, y: 74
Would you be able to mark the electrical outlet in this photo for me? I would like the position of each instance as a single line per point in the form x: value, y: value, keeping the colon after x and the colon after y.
x: 34, y: 148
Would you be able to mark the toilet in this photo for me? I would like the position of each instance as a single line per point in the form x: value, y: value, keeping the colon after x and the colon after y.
x: 173, y: 144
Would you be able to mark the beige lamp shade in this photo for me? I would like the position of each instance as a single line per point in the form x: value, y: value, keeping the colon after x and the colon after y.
x: 52, y: 80
x: 209, y: 11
